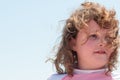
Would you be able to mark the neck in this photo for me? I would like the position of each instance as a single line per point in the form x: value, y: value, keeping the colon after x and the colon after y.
x: 89, y: 67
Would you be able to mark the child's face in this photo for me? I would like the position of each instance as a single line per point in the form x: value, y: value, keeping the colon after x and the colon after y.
x: 91, y: 48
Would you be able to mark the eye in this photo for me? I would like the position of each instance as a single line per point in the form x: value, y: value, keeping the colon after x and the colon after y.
x: 109, y: 39
x: 93, y: 36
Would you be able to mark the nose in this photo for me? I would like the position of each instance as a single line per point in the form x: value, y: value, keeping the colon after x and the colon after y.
x: 102, y: 42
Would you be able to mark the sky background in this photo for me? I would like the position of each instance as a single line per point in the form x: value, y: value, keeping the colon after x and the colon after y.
x: 29, y: 29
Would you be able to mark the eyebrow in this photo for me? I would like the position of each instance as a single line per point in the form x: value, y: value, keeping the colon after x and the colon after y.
x: 93, y: 31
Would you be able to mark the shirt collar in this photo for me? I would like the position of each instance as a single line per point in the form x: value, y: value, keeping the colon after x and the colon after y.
x: 78, y: 71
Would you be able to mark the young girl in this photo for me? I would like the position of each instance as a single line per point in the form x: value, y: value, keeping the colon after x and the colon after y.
x: 89, y: 46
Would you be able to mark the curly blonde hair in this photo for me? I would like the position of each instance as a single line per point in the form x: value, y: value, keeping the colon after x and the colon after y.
x: 66, y: 59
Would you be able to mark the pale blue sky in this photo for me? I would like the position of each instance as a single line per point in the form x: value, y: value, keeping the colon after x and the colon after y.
x: 28, y: 31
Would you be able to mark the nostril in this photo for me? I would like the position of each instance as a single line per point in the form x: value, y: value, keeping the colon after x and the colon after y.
x: 102, y: 43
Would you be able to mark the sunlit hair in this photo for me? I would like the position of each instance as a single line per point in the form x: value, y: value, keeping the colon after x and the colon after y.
x: 66, y: 59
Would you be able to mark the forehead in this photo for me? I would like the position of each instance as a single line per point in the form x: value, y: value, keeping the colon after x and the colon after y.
x: 94, y: 27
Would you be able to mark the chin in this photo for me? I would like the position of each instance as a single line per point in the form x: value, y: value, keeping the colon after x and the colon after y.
x: 100, y: 66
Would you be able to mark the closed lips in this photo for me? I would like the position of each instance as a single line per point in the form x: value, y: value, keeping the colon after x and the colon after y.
x: 100, y: 52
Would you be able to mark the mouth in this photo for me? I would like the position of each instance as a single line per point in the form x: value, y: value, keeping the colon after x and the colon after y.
x: 100, y: 52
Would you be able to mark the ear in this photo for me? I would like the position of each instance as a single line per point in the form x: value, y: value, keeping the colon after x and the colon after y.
x: 72, y: 44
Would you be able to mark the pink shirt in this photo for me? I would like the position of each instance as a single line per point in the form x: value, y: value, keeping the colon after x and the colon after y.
x: 85, y: 75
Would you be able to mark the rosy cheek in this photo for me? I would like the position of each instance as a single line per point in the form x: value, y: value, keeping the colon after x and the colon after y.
x: 110, y: 51
x: 91, y: 43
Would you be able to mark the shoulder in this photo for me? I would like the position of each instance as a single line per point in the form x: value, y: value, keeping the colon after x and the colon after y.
x: 116, y: 76
x: 56, y: 76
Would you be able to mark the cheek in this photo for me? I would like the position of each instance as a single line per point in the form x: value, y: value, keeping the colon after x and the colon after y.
x: 90, y: 43
x: 86, y: 48
x: 110, y: 52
